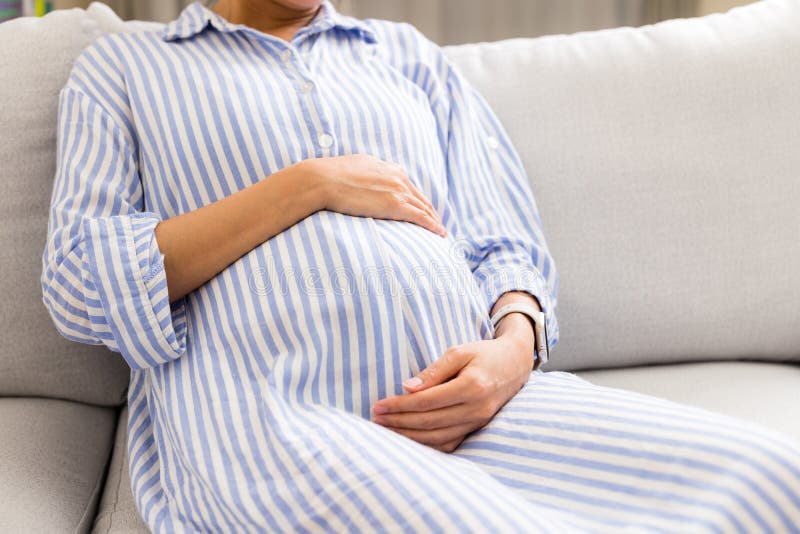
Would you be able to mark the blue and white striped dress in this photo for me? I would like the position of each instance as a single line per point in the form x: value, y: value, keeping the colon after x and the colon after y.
x: 250, y: 398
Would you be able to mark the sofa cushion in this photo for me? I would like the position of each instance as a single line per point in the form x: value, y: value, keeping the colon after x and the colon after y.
x: 665, y: 164
x: 117, y: 513
x: 766, y: 393
x: 53, y: 456
x: 35, y: 58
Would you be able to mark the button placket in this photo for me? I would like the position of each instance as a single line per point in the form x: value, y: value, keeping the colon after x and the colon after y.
x: 299, y: 73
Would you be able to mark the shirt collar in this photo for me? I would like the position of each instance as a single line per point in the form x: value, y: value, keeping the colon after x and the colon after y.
x: 196, y: 17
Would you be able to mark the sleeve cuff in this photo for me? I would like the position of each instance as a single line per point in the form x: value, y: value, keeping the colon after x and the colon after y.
x: 127, y: 269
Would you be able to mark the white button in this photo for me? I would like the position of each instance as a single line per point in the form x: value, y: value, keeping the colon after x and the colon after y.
x: 325, y: 140
x: 286, y: 56
x: 306, y: 87
x: 493, y: 142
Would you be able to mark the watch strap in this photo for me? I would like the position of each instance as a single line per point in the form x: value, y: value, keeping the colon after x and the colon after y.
x: 539, y: 327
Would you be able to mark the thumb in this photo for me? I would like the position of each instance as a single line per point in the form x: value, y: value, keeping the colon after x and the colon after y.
x: 441, y: 370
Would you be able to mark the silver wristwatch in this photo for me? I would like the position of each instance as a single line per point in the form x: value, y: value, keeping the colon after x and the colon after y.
x: 539, y: 327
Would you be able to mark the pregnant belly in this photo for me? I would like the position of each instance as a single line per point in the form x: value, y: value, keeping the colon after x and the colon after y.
x: 340, y: 310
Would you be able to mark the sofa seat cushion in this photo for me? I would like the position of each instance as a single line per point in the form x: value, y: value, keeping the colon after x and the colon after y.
x: 117, y: 512
x: 765, y: 393
x: 53, y: 456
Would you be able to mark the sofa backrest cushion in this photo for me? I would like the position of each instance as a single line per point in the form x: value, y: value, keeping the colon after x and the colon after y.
x: 35, y: 59
x: 665, y: 161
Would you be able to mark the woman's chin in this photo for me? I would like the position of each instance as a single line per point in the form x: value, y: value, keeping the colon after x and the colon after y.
x: 299, y: 5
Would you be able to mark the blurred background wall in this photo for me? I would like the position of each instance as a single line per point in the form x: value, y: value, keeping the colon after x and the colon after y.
x: 460, y: 21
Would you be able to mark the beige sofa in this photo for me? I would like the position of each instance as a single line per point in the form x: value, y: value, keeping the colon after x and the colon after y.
x: 666, y: 164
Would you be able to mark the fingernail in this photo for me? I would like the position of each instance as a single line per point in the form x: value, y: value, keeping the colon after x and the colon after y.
x: 379, y: 409
x: 413, y: 382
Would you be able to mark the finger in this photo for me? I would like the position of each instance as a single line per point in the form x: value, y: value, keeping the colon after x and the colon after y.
x: 422, y: 204
x: 414, y: 200
x: 432, y: 419
x: 450, y: 446
x: 411, y: 213
x: 440, y: 436
x: 428, y: 206
x: 443, y: 368
x: 450, y: 393
x: 411, y: 189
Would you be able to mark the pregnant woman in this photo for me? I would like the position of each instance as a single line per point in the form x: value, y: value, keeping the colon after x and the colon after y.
x: 296, y: 228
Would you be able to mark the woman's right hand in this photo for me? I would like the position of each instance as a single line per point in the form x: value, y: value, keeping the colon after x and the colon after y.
x: 366, y: 186
x: 226, y: 229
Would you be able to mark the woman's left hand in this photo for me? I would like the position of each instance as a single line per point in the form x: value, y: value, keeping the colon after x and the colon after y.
x: 462, y: 390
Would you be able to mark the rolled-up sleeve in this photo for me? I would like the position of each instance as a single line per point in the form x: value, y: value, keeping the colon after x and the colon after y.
x: 496, y: 218
x: 103, y: 277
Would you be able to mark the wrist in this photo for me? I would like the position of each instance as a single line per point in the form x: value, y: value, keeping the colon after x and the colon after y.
x: 310, y: 183
x: 517, y: 330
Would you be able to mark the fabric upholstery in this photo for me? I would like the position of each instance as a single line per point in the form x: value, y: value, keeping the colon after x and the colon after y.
x: 665, y: 165
x: 117, y: 512
x: 35, y: 58
x: 53, y: 453
x: 53, y: 456
x: 766, y: 393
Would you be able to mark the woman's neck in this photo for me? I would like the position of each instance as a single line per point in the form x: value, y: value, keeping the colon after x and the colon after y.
x: 267, y: 16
